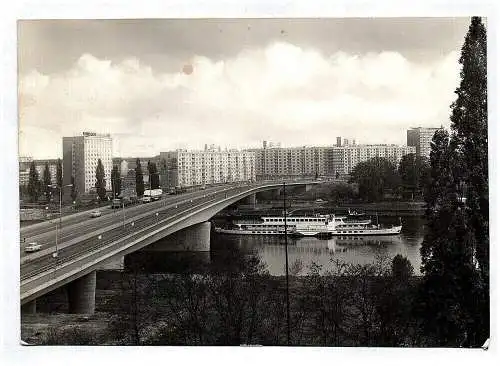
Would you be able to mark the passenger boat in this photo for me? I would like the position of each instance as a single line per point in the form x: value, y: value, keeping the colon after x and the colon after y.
x: 317, y: 225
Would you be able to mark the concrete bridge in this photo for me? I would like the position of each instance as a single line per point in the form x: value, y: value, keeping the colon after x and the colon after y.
x: 87, y: 244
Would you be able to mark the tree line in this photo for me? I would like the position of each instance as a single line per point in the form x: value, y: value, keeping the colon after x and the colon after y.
x: 43, y: 187
x: 378, y: 177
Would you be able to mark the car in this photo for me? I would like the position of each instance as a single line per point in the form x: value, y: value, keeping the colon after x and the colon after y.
x: 96, y: 213
x: 33, y: 247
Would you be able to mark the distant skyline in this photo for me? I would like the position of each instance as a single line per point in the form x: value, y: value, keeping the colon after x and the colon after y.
x: 157, y: 85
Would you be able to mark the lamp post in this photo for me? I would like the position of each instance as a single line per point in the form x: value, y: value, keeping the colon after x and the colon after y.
x: 55, y: 254
x: 286, y: 268
x: 123, y: 211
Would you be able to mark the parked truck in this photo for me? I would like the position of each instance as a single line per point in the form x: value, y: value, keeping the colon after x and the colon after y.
x: 152, y: 195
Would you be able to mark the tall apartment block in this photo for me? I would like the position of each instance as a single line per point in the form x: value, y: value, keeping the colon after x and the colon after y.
x: 191, y: 168
x: 80, y: 156
x: 292, y: 161
x: 24, y: 169
x: 312, y: 161
x: 345, y: 158
x: 420, y: 138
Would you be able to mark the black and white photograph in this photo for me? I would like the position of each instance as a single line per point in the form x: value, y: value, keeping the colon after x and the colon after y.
x: 254, y: 181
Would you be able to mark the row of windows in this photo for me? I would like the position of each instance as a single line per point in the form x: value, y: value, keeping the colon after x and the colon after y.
x: 293, y: 219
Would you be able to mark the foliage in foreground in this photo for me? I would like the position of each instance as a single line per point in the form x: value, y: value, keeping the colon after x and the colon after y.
x: 353, y: 305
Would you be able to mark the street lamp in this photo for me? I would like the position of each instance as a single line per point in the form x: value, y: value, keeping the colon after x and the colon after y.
x: 60, y: 214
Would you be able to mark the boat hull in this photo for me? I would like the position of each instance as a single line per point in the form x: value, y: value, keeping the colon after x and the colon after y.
x: 366, y: 232
x: 370, y: 232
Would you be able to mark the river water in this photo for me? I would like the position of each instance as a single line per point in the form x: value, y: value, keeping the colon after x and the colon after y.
x: 357, y: 250
x: 271, y: 250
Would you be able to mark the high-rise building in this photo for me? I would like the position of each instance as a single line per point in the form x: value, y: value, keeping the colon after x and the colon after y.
x: 305, y: 161
x: 420, y: 138
x: 345, y: 158
x: 339, y: 141
x: 192, y: 168
x: 40, y: 167
x: 312, y: 161
x: 24, y: 169
x: 80, y: 157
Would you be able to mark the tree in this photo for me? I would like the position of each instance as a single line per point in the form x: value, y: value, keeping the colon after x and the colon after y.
x: 374, y: 177
x: 47, y: 181
x: 154, y: 179
x: 100, y: 183
x: 469, y: 122
x: 413, y: 171
x: 341, y: 192
x: 33, y: 183
x: 454, y: 297
x: 402, y: 268
x: 116, y: 181
x: 59, y: 178
x: 74, y: 192
x: 139, y: 179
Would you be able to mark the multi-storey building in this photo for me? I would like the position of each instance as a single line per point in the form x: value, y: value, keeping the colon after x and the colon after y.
x: 52, y: 164
x: 24, y: 169
x: 191, y: 168
x: 292, y: 161
x: 80, y: 157
x: 334, y: 161
x: 420, y: 138
x: 345, y: 158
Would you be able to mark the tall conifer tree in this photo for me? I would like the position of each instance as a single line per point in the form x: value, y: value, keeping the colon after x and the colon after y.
x: 454, y: 295
x: 33, y: 183
x: 139, y: 179
x: 47, y: 181
x: 100, y: 183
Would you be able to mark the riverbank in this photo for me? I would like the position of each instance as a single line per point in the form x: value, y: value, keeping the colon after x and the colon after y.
x: 392, y: 208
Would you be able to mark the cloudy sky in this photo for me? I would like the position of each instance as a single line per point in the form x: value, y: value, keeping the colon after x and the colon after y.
x: 163, y: 84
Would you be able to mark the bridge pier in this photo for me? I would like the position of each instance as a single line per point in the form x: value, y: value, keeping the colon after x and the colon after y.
x: 251, y: 200
x: 81, y: 294
x: 195, y: 238
x: 29, y: 307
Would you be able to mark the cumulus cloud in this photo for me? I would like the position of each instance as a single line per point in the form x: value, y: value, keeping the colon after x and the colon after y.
x: 280, y: 93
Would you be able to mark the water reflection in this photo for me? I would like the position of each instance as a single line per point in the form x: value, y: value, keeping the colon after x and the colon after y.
x: 271, y: 250
x: 351, y: 249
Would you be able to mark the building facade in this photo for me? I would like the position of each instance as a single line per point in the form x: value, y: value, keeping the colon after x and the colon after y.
x: 421, y: 138
x: 345, y: 158
x: 80, y: 157
x: 185, y: 168
x: 40, y: 167
x: 24, y: 169
x: 292, y: 162
x: 321, y: 161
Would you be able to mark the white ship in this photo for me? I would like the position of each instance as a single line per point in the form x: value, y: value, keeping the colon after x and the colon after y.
x: 318, y: 225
